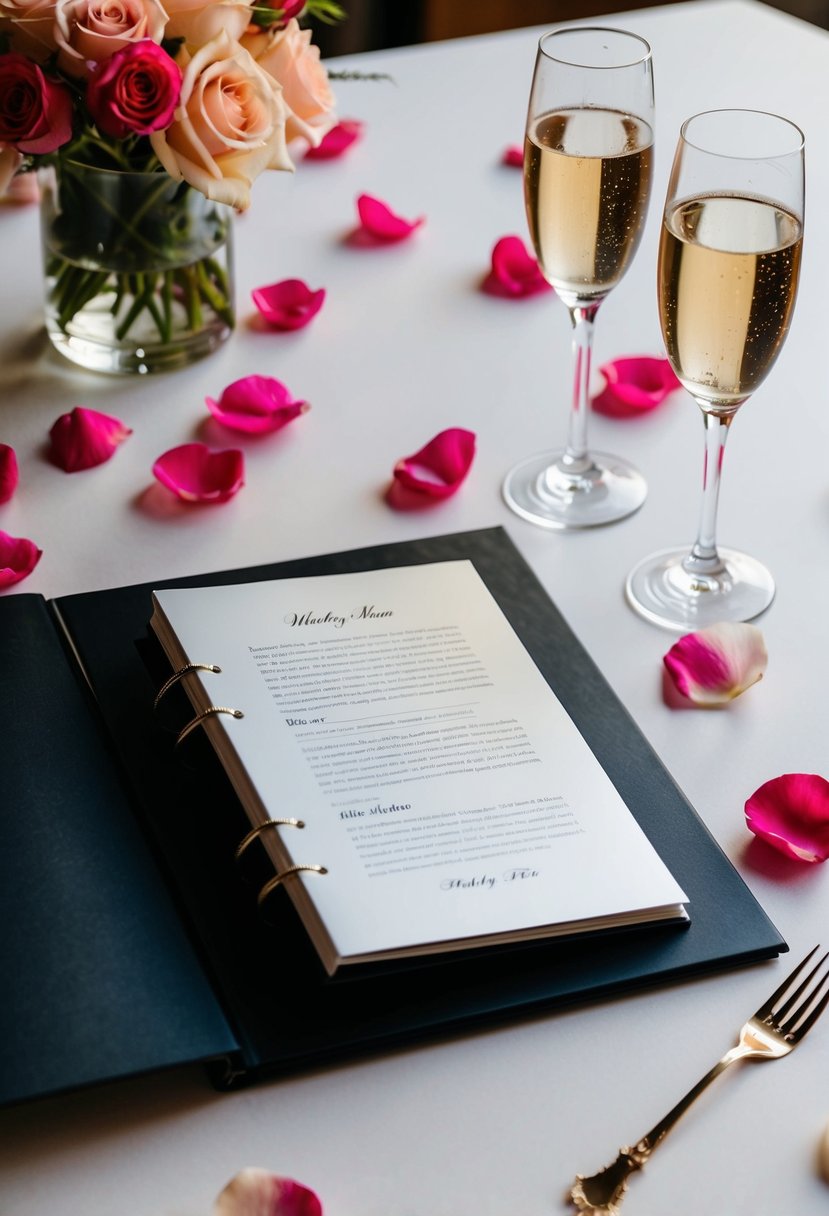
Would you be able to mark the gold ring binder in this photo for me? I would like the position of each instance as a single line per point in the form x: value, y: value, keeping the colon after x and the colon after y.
x: 203, y: 716
x: 256, y: 832
x: 279, y: 878
x: 176, y: 676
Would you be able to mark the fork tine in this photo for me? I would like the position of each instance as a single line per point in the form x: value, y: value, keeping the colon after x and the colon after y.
x: 767, y: 1006
x: 804, y: 1018
x: 793, y: 1004
x: 793, y: 1001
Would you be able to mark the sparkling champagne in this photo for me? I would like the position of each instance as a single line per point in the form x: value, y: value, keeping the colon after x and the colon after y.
x: 728, y: 272
x: 587, y: 175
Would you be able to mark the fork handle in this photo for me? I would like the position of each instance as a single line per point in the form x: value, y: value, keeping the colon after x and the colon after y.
x: 603, y: 1192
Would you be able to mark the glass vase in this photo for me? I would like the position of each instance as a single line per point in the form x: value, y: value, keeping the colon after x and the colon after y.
x: 138, y: 269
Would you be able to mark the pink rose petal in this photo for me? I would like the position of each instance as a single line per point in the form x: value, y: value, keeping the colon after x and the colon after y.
x: 439, y: 468
x: 85, y: 438
x: 8, y: 472
x: 513, y: 156
x: 256, y: 1192
x: 634, y: 385
x: 18, y: 558
x: 288, y: 305
x: 195, y: 474
x: 380, y: 222
x: 714, y: 665
x: 336, y: 141
x: 256, y: 405
x: 515, y: 273
x: 791, y: 813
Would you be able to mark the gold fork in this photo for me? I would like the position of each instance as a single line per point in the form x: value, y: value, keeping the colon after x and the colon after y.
x: 776, y: 1028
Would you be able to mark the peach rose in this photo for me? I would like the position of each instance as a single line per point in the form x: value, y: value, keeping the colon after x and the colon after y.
x: 92, y: 30
x: 30, y: 26
x: 291, y: 58
x: 229, y: 125
x: 200, y: 21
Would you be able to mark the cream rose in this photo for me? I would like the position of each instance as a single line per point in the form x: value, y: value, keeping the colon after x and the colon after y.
x: 292, y: 59
x: 30, y: 26
x: 200, y: 21
x: 229, y: 125
x: 93, y: 30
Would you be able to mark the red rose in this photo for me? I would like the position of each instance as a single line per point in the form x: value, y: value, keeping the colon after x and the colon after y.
x: 135, y: 91
x: 35, y: 111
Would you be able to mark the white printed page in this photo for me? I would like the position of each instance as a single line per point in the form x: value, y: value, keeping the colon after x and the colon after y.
x: 441, y: 783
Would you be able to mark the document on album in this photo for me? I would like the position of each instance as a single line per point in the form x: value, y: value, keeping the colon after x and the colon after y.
x: 436, y: 794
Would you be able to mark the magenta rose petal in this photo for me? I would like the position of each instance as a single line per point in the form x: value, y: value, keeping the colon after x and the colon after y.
x: 195, y: 474
x: 85, y: 438
x: 257, y: 405
x: 513, y: 156
x: 380, y: 222
x: 791, y: 813
x: 288, y: 305
x: 256, y: 1192
x: 714, y: 665
x: 439, y: 468
x: 514, y: 272
x: 634, y: 385
x: 18, y: 558
x: 8, y: 472
x: 336, y: 141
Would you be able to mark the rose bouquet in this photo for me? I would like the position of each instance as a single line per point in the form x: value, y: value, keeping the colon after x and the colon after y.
x: 152, y: 121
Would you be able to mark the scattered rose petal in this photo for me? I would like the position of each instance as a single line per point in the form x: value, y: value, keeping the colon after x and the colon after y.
x: 195, y: 474
x: 18, y: 558
x: 256, y: 1192
x: 288, y: 305
x: 716, y: 664
x: 513, y: 156
x: 257, y: 405
x: 791, y: 813
x: 336, y: 141
x: 515, y: 273
x: 634, y: 385
x: 8, y: 472
x: 85, y: 438
x: 22, y: 190
x: 439, y: 468
x: 381, y: 222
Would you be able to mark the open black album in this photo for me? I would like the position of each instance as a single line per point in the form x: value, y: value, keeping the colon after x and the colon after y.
x: 407, y: 803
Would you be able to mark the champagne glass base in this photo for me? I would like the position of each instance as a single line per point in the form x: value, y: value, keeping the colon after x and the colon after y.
x: 548, y: 492
x: 664, y: 591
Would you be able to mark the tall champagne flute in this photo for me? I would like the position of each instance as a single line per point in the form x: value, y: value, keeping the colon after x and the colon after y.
x: 587, y: 176
x: 729, y: 262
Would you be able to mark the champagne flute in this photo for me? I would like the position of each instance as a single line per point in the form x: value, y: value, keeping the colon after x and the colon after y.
x: 587, y: 175
x: 729, y: 261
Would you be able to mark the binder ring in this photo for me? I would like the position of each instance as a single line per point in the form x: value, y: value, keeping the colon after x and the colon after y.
x: 254, y: 833
x: 274, y: 882
x: 176, y: 676
x: 203, y: 716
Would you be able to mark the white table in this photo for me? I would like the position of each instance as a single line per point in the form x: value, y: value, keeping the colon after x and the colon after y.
x: 497, y: 1121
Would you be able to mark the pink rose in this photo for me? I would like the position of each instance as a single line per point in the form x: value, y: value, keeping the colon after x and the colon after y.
x: 30, y: 26
x: 35, y: 111
x: 290, y: 57
x: 229, y: 126
x: 90, y: 31
x: 135, y: 91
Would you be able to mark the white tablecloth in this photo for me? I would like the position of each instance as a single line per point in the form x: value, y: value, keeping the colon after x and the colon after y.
x: 406, y: 345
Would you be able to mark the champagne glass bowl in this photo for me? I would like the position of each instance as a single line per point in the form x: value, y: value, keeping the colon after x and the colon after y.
x: 729, y: 263
x: 587, y: 175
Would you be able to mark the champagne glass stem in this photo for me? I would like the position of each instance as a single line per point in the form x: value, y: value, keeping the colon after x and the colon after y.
x: 704, y: 559
x: 576, y: 459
